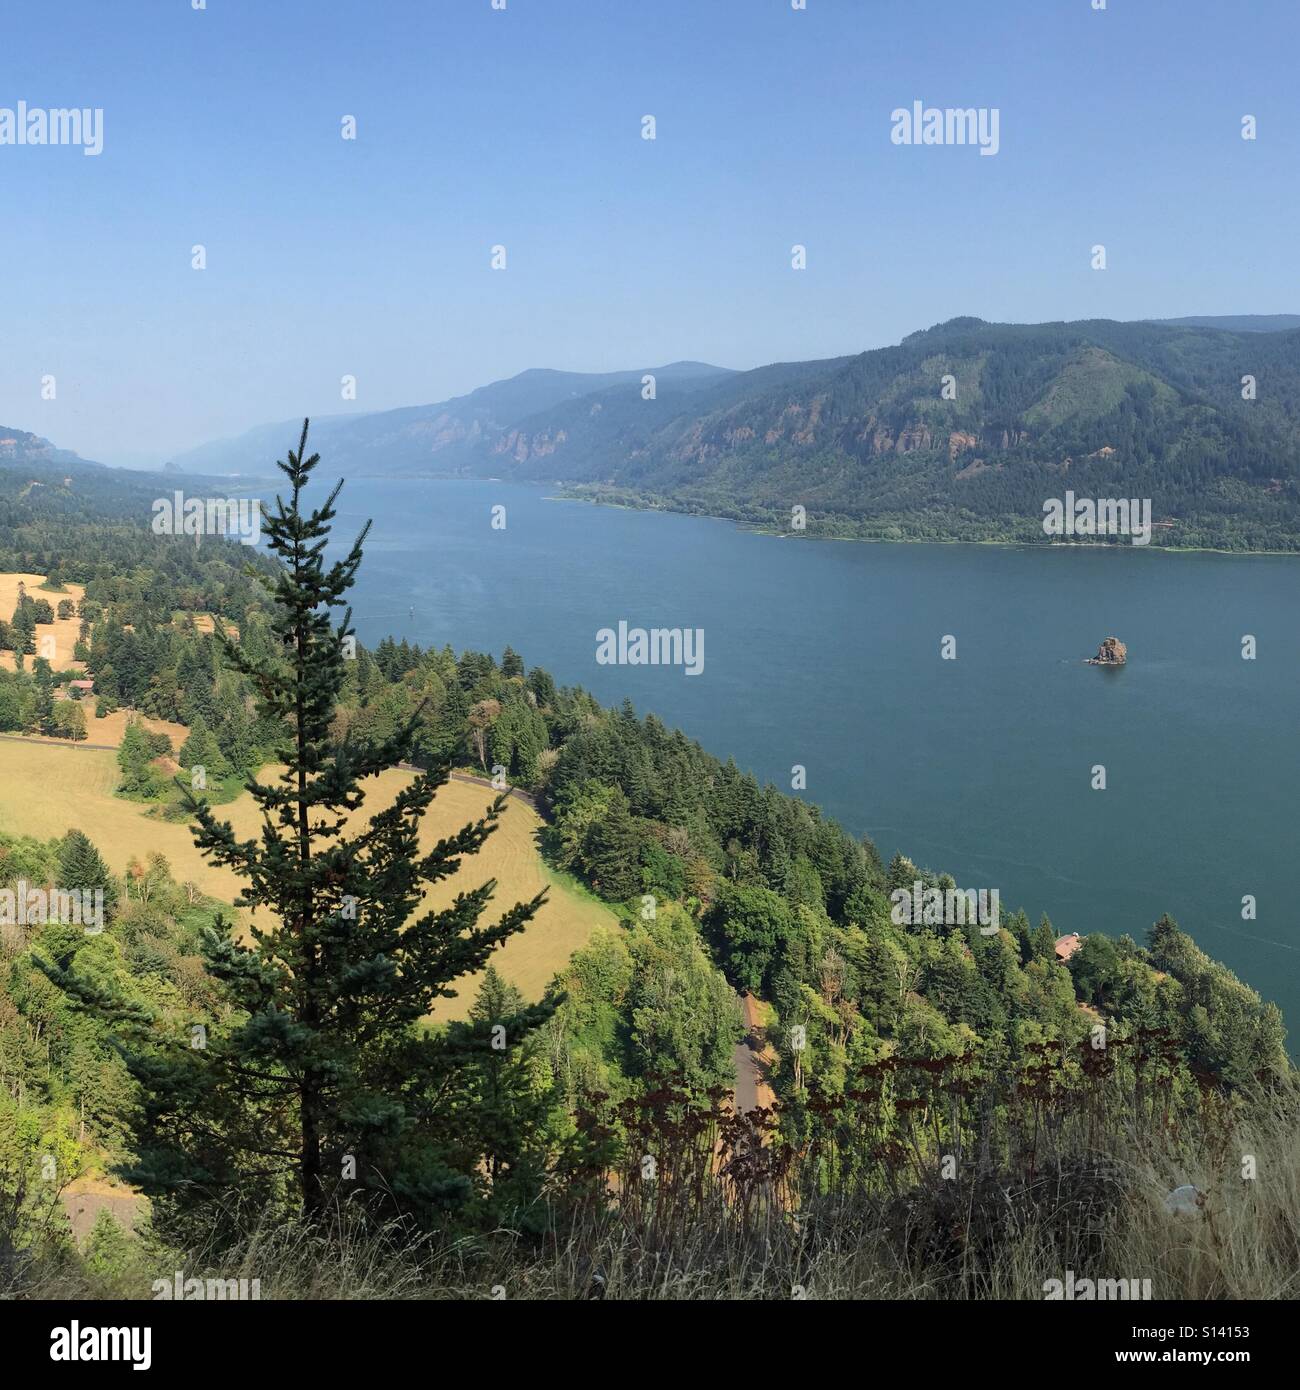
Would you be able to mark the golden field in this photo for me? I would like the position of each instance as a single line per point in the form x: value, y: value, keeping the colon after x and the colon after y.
x: 63, y: 630
x: 110, y: 729
x: 49, y: 788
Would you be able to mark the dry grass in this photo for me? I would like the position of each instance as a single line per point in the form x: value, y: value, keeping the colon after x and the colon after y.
x: 1243, y: 1245
x: 47, y: 789
x: 50, y: 788
x: 207, y: 623
x: 63, y: 630
x: 109, y: 730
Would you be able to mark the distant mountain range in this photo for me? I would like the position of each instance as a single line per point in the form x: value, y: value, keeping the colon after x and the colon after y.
x: 452, y: 437
x: 961, y: 431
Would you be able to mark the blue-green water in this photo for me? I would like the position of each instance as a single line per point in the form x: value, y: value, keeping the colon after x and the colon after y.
x: 827, y: 654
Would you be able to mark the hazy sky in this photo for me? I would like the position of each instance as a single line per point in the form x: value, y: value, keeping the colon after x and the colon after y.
x: 522, y: 127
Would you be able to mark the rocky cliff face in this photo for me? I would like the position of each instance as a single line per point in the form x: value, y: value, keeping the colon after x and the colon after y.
x: 959, y: 441
x: 1112, y: 652
x: 19, y: 448
x: 522, y: 445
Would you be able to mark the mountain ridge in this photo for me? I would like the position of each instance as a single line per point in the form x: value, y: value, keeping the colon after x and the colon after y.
x: 961, y: 431
x: 22, y: 447
x: 958, y: 432
x: 413, y: 434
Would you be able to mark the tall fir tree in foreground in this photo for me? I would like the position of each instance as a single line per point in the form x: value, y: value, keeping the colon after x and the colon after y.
x: 318, y: 1080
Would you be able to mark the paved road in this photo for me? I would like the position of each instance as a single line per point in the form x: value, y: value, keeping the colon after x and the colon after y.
x: 526, y: 797
x: 61, y: 743
x: 751, y: 1057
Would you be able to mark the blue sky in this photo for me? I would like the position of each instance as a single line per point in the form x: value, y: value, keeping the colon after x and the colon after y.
x: 477, y: 127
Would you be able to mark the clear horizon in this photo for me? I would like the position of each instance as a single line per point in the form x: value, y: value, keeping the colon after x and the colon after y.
x: 370, y: 258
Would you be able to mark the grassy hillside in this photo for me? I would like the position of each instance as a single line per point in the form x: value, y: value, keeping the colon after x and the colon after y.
x: 63, y: 630
x: 46, y: 790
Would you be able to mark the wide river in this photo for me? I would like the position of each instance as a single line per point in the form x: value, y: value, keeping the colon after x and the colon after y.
x: 828, y: 655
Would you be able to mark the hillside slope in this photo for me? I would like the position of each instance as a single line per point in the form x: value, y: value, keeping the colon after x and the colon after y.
x: 874, y: 444
x: 961, y: 431
x: 449, y: 437
x: 78, y: 793
x: 22, y: 449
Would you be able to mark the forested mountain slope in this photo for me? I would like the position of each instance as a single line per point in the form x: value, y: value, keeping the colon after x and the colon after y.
x: 449, y: 437
x: 963, y: 431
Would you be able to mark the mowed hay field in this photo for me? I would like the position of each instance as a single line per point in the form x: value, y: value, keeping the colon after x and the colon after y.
x: 63, y: 631
x: 47, y: 789
x: 110, y: 729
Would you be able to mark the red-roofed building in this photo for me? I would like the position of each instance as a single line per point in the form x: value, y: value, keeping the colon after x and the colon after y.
x: 1066, y: 946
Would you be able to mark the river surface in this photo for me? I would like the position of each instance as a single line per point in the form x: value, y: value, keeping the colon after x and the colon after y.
x: 828, y: 655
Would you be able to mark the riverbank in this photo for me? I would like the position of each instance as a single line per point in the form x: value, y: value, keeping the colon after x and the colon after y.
x: 1029, y: 540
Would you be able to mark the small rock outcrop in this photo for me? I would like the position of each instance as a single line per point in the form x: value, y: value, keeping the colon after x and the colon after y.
x: 1112, y: 652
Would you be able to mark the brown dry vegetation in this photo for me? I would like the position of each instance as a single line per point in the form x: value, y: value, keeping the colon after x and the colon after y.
x: 47, y: 789
x: 109, y: 730
x: 1101, y: 1215
x: 64, y: 631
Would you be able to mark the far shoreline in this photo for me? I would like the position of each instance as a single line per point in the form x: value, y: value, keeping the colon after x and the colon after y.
x: 759, y: 530
x: 247, y: 481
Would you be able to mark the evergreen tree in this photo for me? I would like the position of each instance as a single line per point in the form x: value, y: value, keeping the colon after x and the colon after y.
x: 137, y: 751
x: 82, y: 866
x: 237, y: 739
x: 902, y: 873
x: 324, y: 1083
x: 508, y: 1099
x: 200, y: 749
x: 24, y: 629
x: 43, y: 711
x: 194, y: 675
x: 109, y: 1252
x: 613, y: 851
x: 542, y: 686
x: 1043, y: 941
